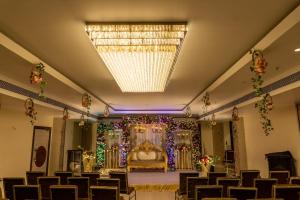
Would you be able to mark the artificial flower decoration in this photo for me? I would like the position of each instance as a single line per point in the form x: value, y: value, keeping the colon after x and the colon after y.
x: 30, y: 110
x: 106, y: 112
x: 259, y: 64
x: 212, y: 121
x: 65, y: 114
x: 86, y: 102
x: 81, y: 123
x: 265, y: 104
x: 36, y: 77
x: 188, y: 111
x: 235, y: 114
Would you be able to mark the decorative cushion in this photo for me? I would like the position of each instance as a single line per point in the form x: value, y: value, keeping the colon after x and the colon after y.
x: 134, y: 156
x: 142, y: 155
x: 158, y: 156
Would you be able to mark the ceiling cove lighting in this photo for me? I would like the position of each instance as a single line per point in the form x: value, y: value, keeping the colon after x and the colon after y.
x: 140, y: 56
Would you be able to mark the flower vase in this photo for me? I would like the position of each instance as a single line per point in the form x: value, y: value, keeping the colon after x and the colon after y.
x: 205, y: 169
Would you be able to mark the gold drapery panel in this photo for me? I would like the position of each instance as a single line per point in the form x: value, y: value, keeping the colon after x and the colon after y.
x: 111, y: 158
x: 183, y: 159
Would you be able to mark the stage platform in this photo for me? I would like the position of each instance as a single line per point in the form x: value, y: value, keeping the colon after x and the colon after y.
x: 155, y: 181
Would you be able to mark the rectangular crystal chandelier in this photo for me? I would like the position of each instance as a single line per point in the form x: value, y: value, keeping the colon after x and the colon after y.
x: 140, y: 56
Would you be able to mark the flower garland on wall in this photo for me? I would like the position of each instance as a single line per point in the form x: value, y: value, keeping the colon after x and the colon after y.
x: 36, y: 77
x: 265, y: 104
x: 172, y: 126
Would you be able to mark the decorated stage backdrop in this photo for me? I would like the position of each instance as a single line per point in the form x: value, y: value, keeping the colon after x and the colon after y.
x: 120, y: 136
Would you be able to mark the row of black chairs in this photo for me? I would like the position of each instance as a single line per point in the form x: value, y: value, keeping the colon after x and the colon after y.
x: 64, y: 192
x: 248, y: 180
x: 84, y: 184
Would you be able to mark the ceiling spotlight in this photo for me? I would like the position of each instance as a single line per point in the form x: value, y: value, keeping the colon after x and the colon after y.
x: 140, y: 56
x: 297, y: 50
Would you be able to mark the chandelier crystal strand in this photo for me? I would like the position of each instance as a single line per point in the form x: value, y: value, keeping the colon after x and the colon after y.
x: 140, y: 57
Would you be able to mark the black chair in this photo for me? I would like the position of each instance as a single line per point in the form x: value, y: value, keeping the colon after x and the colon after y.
x: 25, y: 192
x: 248, y: 176
x: 103, y: 192
x: 182, y: 182
x: 8, y: 186
x: 192, y: 182
x: 295, y: 180
x: 109, y: 182
x: 212, y: 177
x: 264, y: 187
x: 282, y: 176
x: 45, y: 182
x: 242, y: 193
x: 227, y: 182
x: 124, y: 188
x: 208, y: 191
x: 286, y: 192
x: 64, y: 192
x: 31, y: 177
x: 82, y: 184
x: 92, y: 177
x: 63, y: 176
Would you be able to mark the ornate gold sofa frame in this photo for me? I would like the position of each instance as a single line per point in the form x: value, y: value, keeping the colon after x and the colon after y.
x: 147, y: 148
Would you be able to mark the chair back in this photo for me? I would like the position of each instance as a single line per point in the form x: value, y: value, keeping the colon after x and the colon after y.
x: 212, y: 177
x: 104, y: 192
x: 286, y: 192
x: 25, y: 192
x: 31, y: 177
x: 192, y: 182
x: 63, y: 176
x: 109, y: 182
x: 248, y: 176
x: 282, y: 176
x: 82, y: 184
x: 8, y: 186
x: 264, y: 187
x: 227, y: 182
x: 92, y: 177
x: 123, y: 180
x: 182, y: 180
x: 208, y: 191
x: 295, y: 180
x: 242, y: 193
x: 45, y: 182
x: 65, y: 192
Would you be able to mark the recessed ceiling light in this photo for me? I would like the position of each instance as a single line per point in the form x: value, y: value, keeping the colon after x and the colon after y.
x: 297, y: 50
x: 140, y: 56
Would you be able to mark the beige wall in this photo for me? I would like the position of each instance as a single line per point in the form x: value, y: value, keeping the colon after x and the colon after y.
x: 284, y: 137
x: 16, y: 140
x: 207, y: 139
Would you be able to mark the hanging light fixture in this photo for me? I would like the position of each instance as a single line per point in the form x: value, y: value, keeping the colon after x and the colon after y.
x: 140, y: 56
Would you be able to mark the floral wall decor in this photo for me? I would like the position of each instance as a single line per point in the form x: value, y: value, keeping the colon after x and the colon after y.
x: 212, y: 121
x: 86, y: 102
x: 65, y: 114
x: 265, y: 104
x: 36, y: 77
x: 235, y: 114
x: 30, y: 110
x: 206, y: 102
x: 188, y: 111
x: 106, y: 112
x: 171, y: 126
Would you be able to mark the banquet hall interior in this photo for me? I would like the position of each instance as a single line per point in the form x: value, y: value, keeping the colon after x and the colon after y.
x: 144, y: 100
